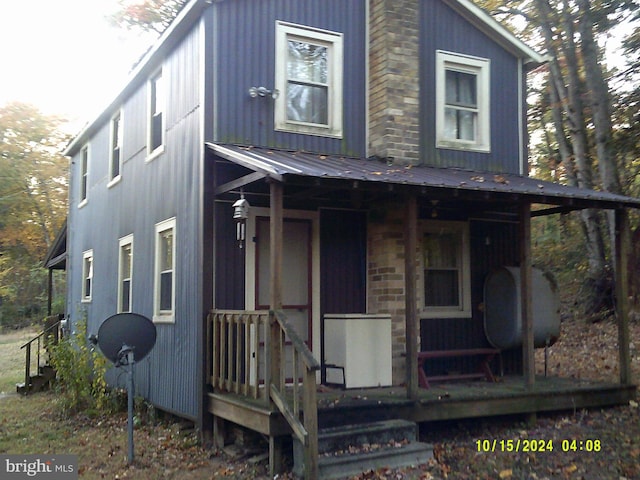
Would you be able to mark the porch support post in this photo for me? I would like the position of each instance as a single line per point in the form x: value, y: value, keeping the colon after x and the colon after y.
x: 526, y: 282
x: 50, y: 292
x: 275, y: 300
x: 411, y: 309
x: 275, y: 225
x: 622, y: 246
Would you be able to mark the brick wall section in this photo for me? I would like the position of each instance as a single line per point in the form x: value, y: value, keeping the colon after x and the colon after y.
x: 394, y: 82
x: 386, y: 282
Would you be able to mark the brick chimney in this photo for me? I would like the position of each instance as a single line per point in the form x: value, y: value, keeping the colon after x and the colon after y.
x: 394, y: 76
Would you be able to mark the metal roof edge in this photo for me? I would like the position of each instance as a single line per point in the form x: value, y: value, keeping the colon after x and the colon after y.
x: 306, y: 164
x: 247, y: 160
x: 483, y: 20
x: 180, y: 25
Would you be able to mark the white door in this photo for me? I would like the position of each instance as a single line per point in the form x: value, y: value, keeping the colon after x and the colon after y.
x: 296, y: 272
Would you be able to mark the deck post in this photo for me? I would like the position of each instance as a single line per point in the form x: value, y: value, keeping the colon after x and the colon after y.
x: 622, y: 246
x: 526, y: 281
x: 411, y: 309
x: 275, y: 262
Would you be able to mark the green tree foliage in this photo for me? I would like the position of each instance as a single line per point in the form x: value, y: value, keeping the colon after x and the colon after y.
x: 33, y: 202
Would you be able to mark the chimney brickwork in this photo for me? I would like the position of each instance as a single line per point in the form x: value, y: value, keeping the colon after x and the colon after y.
x: 394, y: 80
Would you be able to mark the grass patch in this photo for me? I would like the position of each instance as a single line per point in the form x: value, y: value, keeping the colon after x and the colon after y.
x: 12, y: 358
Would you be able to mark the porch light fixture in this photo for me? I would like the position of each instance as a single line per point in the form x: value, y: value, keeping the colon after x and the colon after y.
x: 240, y: 215
x: 263, y: 92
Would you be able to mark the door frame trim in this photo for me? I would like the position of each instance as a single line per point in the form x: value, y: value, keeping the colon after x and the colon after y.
x: 250, y: 272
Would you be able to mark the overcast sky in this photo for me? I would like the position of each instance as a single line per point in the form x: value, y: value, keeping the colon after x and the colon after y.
x: 63, y: 56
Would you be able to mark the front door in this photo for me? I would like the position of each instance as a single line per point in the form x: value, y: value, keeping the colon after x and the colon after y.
x: 296, y: 272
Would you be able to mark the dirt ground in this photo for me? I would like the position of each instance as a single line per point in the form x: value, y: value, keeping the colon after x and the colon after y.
x: 595, y: 444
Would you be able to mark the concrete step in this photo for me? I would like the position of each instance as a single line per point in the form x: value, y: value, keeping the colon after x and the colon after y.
x: 348, y: 465
x: 381, y: 432
x: 351, y: 449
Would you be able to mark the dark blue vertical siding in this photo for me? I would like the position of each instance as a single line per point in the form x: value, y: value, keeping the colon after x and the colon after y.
x: 148, y: 193
x: 245, y: 55
x: 444, y: 29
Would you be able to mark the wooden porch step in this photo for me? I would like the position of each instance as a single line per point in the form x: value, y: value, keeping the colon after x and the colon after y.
x: 39, y: 382
x: 352, y: 449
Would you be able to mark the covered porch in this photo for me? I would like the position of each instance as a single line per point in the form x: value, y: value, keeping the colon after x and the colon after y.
x: 263, y: 370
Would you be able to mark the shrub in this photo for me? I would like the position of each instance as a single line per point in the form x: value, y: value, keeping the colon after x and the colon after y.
x: 81, y: 373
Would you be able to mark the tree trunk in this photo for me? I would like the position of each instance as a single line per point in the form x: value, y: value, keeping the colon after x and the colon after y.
x: 569, y: 94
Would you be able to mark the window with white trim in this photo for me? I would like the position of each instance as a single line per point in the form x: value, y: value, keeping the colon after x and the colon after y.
x: 84, y: 175
x: 155, y: 144
x: 164, y: 297
x: 125, y: 273
x: 309, y: 64
x: 115, y: 151
x: 87, y: 275
x: 462, y: 102
x: 446, y: 282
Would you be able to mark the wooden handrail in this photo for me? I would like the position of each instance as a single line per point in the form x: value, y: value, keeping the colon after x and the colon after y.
x: 249, y: 349
x: 41, y: 334
x: 306, y: 356
x: 307, y: 430
x: 27, y: 364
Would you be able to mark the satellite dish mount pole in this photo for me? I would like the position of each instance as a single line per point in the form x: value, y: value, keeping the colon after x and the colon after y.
x: 125, y: 357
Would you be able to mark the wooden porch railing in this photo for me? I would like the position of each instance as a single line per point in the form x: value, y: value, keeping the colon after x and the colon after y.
x: 49, y: 336
x: 259, y: 355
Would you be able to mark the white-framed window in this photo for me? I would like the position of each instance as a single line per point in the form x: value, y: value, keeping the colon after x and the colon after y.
x: 84, y: 176
x: 446, y: 270
x: 115, y: 150
x: 87, y: 275
x: 165, y: 285
x: 309, y: 65
x: 125, y: 273
x: 155, y: 141
x: 462, y: 102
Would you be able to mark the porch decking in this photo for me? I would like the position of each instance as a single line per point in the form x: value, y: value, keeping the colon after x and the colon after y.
x: 444, y: 401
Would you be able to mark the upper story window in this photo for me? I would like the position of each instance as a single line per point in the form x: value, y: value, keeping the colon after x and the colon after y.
x: 446, y: 270
x: 462, y: 102
x: 87, y: 275
x: 125, y: 273
x: 156, y: 115
x: 309, y: 79
x: 115, y: 152
x: 165, y: 271
x: 84, y: 175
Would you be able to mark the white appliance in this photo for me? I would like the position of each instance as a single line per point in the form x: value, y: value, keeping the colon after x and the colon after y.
x: 358, y: 346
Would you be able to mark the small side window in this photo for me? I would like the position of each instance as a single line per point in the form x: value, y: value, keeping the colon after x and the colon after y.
x: 87, y: 275
x: 84, y: 176
x: 125, y: 273
x: 115, y: 152
x: 156, y: 115
x: 462, y: 102
x: 164, y: 308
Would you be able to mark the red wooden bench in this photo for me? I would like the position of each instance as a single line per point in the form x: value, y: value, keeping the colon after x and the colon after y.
x: 484, y: 369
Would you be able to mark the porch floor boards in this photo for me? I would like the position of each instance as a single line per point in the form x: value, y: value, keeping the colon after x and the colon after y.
x: 444, y: 401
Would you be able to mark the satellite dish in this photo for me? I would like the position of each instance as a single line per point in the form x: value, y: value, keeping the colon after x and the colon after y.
x: 134, y: 331
x: 126, y: 338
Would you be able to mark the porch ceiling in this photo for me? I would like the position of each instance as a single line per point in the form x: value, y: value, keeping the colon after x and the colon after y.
x: 300, y: 167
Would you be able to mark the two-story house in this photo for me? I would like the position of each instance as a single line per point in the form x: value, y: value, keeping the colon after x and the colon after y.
x: 319, y: 183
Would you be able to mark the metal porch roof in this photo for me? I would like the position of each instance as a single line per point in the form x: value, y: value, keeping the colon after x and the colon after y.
x: 286, y: 166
